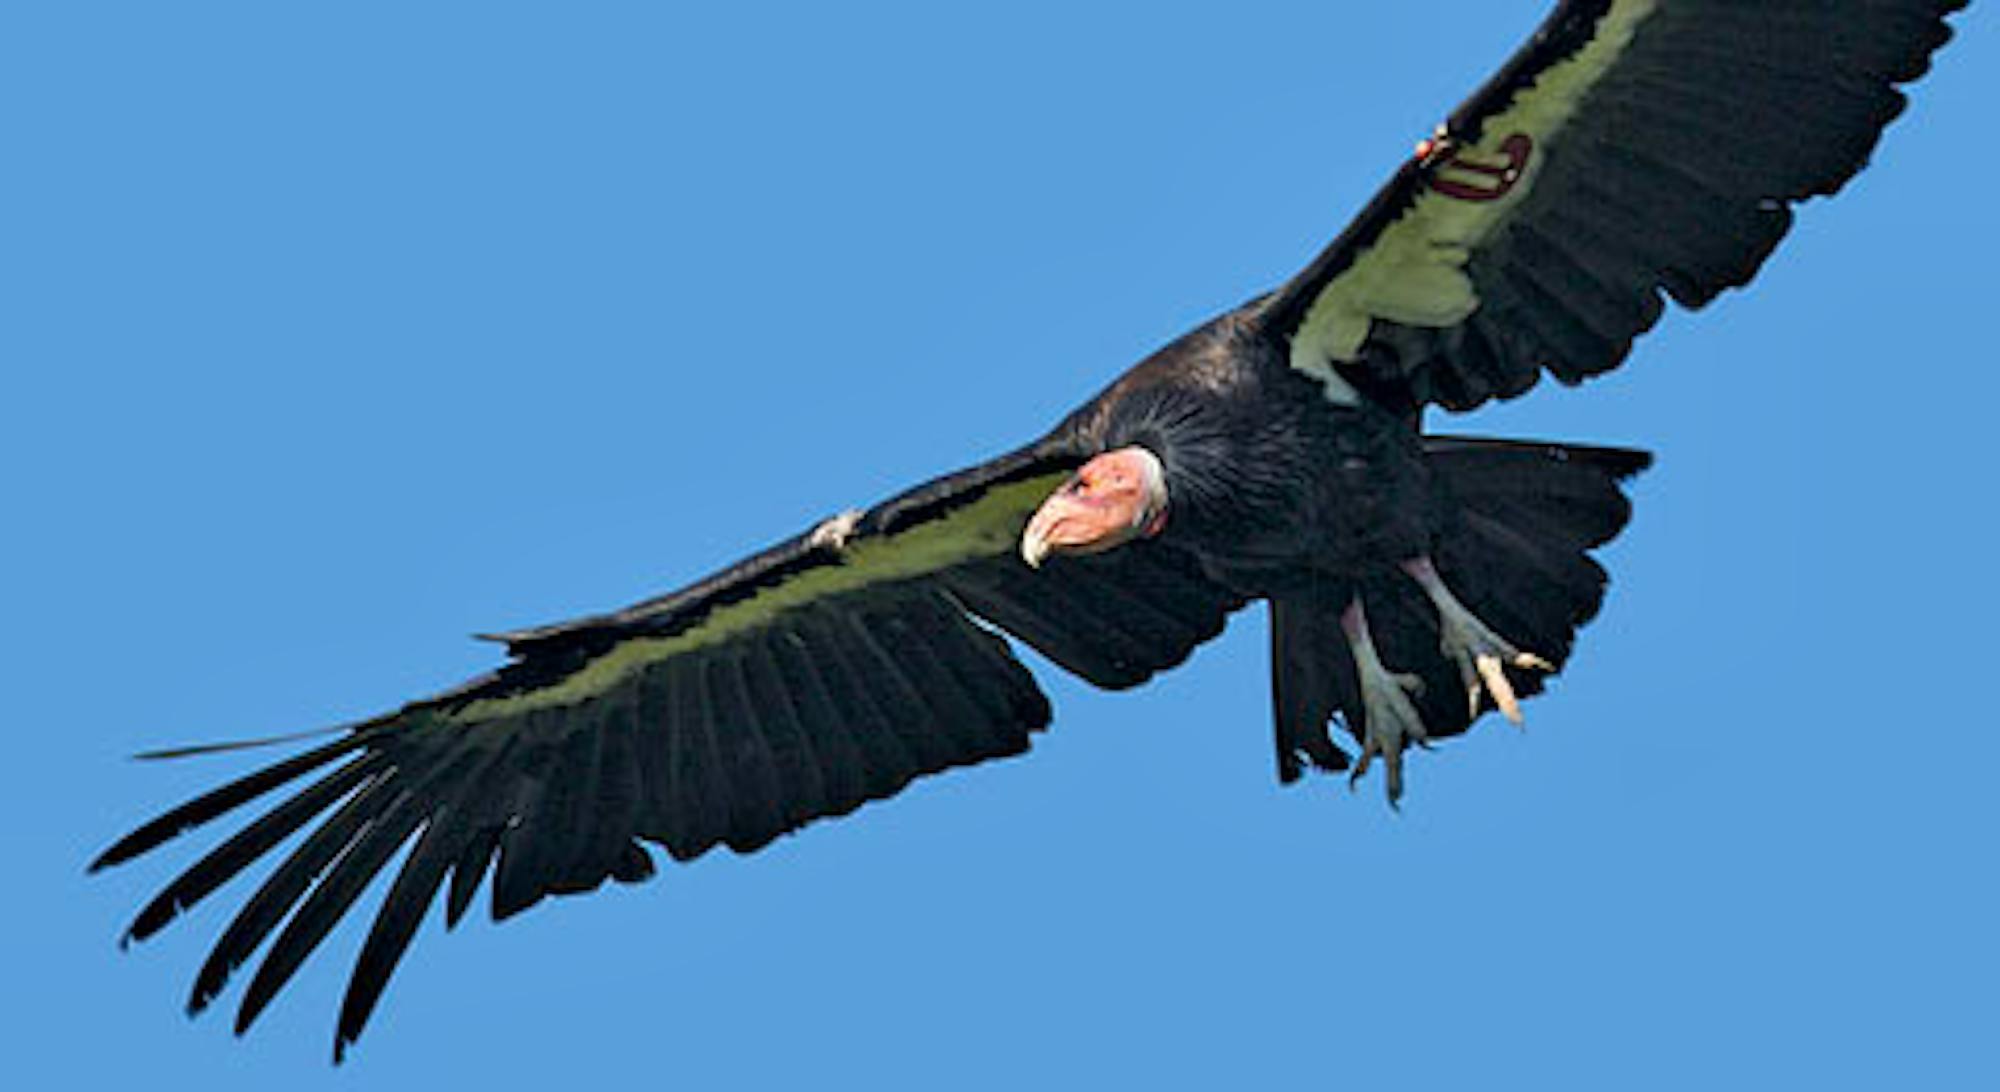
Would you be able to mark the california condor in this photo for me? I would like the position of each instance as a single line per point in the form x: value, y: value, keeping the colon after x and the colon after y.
x: 1633, y: 150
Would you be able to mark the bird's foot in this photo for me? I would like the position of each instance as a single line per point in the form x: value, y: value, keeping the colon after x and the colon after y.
x: 1482, y: 655
x: 1389, y: 720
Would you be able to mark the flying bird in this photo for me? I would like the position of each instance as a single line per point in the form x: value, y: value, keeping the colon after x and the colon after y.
x: 1631, y: 152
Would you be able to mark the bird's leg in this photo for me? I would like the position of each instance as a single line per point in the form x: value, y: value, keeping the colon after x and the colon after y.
x: 1389, y: 722
x: 1482, y: 655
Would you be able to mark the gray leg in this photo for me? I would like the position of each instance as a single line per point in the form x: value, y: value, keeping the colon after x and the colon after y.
x: 1480, y: 653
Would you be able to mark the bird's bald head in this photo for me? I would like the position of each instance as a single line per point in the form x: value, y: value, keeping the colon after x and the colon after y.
x: 1111, y: 500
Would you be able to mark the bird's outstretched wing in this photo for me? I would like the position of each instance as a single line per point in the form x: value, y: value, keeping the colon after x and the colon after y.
x: 822, y: 673
x: 1631, y: 148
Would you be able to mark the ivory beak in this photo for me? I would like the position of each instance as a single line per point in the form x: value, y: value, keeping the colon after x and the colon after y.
x: 1034, y: 547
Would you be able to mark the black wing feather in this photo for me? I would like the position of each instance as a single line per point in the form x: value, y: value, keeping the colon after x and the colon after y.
x: 222, y: 800
x: 402, y: 911
x: 283, y: 888
x: 359, y: 861
x: 246, y: 846
x: 817, y: 675
x: 1671, y: 168
x: 469, y: 870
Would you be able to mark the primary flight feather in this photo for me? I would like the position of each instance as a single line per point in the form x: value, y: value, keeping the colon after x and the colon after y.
x: 1632, y: 151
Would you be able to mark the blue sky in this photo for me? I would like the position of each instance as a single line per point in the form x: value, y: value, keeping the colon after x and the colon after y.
x: 334, y: 335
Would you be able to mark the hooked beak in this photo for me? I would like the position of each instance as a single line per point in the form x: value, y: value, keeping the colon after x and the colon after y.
x: 1113, y: 499
x: 1035, y: 544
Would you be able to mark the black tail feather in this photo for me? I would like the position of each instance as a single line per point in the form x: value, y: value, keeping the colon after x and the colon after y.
x: 1309, y: 685
x: 1526, y: 515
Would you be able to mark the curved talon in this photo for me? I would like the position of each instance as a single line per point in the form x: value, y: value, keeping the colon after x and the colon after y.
x: 1482, y: 655
x: 1389, y: 721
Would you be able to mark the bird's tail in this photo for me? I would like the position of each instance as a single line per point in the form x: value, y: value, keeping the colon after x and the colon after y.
x: 1517, y: 521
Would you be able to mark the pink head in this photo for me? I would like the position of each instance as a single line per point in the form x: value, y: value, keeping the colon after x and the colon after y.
x: 1114, y: 498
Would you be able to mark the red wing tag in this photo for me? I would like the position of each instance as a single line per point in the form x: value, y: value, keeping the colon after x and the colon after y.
x: 1485, y: 179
